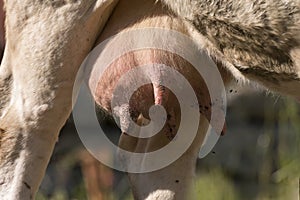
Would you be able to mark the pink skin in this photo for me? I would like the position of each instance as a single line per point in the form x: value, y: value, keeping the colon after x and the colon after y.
x: 161, y: 94
x: 150, y: 94
x: 2, y: 32
x: 156, y: 94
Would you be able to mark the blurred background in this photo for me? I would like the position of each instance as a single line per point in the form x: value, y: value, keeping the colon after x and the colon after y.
x: 257, y: 158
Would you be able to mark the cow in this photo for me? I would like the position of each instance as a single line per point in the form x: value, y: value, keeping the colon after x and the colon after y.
x: 47, y: 41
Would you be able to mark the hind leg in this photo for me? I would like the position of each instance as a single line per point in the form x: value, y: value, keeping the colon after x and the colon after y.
x: 45, y: 46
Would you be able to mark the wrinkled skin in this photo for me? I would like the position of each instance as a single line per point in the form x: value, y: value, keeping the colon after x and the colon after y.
x: 45, y: 44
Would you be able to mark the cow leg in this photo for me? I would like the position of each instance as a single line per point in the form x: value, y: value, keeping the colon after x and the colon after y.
x: 169, y: 183
x: 46, y: 43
